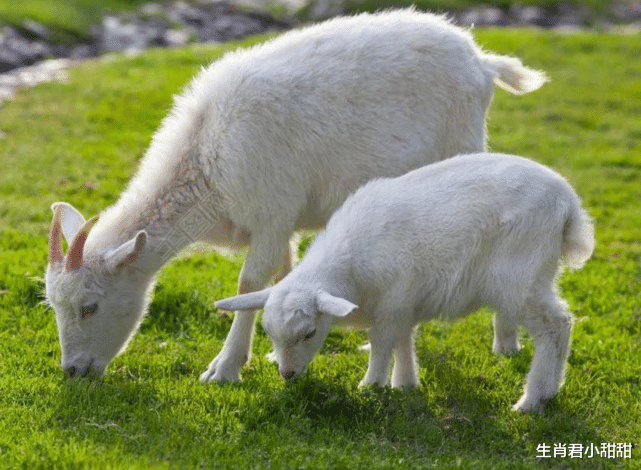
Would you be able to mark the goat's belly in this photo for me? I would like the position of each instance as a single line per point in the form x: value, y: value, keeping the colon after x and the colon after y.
x: 315, y: 214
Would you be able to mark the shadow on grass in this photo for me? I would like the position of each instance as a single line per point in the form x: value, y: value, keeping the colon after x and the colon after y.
x: 458, y: 419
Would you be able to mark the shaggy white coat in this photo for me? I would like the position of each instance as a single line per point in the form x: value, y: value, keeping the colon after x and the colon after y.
x: 265, y: 142
x: 441, y: 241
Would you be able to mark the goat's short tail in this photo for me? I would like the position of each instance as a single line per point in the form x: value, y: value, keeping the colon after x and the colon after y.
x: 511, y: 75
x: 578, y: 238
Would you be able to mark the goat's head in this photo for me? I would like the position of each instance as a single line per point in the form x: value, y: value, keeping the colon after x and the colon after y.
x: 99, y: 298
x: 297, y: 321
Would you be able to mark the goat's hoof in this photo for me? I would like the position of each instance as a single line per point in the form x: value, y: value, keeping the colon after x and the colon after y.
x: 507, y: 349
x: 219, y: 371
x: 373, y: 385
x: 525, y: 405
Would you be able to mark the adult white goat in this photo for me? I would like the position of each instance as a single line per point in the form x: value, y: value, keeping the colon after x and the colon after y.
x: 442, y: 240
x: 264, y: 142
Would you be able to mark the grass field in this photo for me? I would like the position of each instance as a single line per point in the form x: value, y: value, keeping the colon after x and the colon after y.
x: 80, y: 142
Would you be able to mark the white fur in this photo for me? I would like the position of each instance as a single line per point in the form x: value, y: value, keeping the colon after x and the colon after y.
x: 441, y: 241
x: 267, y: 141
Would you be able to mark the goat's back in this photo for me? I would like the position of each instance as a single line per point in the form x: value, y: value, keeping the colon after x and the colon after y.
x: 309, y: 117
x: 456, y: 234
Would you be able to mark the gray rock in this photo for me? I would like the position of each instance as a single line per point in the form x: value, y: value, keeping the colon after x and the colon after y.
x: 32, y: 75
x: 177, y: 37
x: 117, y: 36
x: 183, y: 12
x: 484, y: 16
x: 18, y: 51
x: 60, y: 50
x: 205, y: 21
x: 323, y: 9
x: 84, y: 51
x: 236, y: 26
x: 626, y: 10
x: 36, y: 29
x: 10, y: 60
x: 532, y: 15
x: 152, y: 9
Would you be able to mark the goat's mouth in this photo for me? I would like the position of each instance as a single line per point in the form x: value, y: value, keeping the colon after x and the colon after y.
x: 83, y: 370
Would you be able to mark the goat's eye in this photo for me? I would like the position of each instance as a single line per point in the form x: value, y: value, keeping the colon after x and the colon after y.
x: 309, y: 335
x: 88, y: 310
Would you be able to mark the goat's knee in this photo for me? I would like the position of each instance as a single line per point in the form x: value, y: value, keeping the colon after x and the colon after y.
x: 551, y: 327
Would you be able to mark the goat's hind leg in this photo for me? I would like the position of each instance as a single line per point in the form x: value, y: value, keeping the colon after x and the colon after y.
x: 404, y: 373
x: 550, y: 325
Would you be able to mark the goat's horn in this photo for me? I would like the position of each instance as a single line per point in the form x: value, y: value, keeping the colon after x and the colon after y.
x: 74, y: 255
x: 55, y: 238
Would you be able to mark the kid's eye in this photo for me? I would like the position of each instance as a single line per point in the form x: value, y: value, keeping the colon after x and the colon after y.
x: 88, y: 310
x: 309, y: 335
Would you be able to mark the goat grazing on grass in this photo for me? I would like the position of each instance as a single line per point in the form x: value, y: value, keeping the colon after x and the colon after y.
x: 265, y: 142
x: 440, y: 241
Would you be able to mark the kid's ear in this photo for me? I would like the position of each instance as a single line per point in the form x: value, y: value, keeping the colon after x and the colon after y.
x: 335, y: 306
x: 126, y: 253
x: 249, y: 301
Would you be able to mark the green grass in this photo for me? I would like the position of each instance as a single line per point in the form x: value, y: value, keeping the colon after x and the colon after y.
x: 80, y: 142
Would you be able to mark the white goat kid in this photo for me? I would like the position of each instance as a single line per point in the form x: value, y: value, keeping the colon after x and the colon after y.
x: 440, y: 241
x: 264, y: 142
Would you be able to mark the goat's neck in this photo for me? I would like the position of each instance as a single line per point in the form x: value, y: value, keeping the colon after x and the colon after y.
x: 174, y: 215
x: 178, y: 222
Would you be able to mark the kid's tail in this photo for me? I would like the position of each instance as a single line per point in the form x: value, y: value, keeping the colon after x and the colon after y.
x: 578, y: 238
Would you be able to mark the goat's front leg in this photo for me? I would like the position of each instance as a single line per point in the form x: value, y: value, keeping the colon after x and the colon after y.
x: 506, y: 334
x: 380, y: 358
x: 263, y: 261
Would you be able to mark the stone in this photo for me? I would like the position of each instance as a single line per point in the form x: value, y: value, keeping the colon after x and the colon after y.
x: 84, y: 51
x: 45, y: 71
x: 532, y: 15
x: 152, y: 9
x: 117, y: 36
x: 37, y: 30
x: 177, y: 37
x: 323, y: 9
x: 484, y: 16
x: 184, y: 13
x: 628, y: 10
x: 10, y: 60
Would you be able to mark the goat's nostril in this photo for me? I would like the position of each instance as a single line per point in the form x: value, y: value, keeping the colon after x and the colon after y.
x: 288, y: 375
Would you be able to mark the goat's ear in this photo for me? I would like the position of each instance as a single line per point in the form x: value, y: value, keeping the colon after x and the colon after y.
x: 335, y: 306
x: 70, y: 219
x: 249, y: 301
x: 126, y: 253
